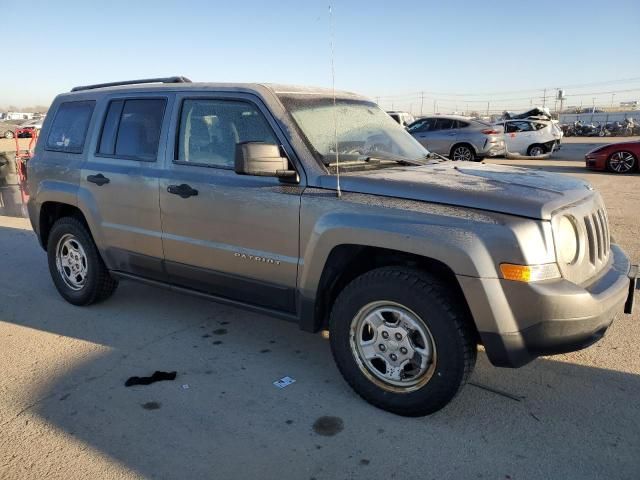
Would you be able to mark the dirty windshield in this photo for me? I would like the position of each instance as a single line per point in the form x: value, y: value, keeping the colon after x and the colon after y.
x: 362, y: 131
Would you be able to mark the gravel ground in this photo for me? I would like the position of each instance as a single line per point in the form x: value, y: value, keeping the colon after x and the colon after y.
x: 65, y: 413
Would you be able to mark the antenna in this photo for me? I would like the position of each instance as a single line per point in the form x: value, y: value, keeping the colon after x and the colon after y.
x: 333, y: 89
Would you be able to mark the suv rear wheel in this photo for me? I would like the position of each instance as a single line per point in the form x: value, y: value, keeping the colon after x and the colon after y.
x: 76, y: 267
x: 462, y: 153
x: 402, y: 341
x: 536, y: 150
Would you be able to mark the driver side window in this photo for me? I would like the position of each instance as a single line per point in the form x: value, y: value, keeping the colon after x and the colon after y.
x: 211, y: 129
x: 424, y: 125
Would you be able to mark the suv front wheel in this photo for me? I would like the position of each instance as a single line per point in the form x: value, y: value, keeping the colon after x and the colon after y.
x: 401, y: 340
x: 76, y: 267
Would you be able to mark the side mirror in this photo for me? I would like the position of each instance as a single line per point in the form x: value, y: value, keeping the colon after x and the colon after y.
x: 262, y: 159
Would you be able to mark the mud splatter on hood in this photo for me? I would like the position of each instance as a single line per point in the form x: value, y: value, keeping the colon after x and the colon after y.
x: 511, y: 190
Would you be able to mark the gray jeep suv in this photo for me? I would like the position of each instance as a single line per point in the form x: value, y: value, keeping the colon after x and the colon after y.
x: 231, y: 191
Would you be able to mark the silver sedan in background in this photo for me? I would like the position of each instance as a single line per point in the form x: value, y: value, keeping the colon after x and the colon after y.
x: 461, y: 138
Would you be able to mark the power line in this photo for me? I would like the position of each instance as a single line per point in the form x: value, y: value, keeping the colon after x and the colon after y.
x: 583, y: 85
x: 421, y: 97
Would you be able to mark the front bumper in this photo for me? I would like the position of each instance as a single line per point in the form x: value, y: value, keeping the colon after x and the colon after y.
x: 519, y: 321
x: 553, y: 145
x: 596, y: 161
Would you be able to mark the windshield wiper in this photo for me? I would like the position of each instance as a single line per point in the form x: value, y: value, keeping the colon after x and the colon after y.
x: 383, y: 156
x: 437, y: 155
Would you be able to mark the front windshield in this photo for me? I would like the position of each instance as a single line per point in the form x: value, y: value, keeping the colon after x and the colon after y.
x: 363, y: 130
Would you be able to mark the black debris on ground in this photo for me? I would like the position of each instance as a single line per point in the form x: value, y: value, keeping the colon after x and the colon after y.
x: 156, y: 377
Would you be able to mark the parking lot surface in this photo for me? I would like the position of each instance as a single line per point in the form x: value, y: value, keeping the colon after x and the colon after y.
x: 65, y: 412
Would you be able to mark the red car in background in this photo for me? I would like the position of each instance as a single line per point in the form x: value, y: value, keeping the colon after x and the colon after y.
x: 615, y: 157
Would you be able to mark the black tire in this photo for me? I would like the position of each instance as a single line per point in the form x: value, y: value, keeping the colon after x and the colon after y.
x: 98, y: 285
x: 534, y: 147
x: 8, y: 135
x: 622, y: 162
x: 447, y: 319
x: 462, y: 152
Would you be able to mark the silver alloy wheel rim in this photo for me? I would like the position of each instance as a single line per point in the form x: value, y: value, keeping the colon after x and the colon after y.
x: 462, y: 154
x: 622, y: 162
x: 71, y: 262
x: 536, y: 151
x: 392, y: 347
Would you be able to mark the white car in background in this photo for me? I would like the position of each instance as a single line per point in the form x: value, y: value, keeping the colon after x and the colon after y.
x: 531, y: 137
x: 403, y: 118
x: 37, y: 124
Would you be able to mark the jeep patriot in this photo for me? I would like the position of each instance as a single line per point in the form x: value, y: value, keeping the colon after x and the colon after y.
x: 318, y: 208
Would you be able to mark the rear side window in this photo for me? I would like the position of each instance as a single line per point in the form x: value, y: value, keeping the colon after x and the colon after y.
x: 69, y: 128
x: 539, y: 126
x: 445, y: 124
x: 131, y: 129
x: 211, y: 129
x: 461, y: 124
x: 515, y: 127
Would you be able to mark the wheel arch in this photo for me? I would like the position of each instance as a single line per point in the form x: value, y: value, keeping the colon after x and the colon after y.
x: 463, y: 143
x: 52, y: 211
x: 348, y: 261
x: 636, y: 157
x: 537, y: 144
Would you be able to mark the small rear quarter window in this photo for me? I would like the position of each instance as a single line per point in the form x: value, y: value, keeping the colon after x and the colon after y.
x: 69, y: 128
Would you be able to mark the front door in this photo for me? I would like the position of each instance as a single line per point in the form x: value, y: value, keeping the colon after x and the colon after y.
x: 119, y: 184
x: 423, y: 130
x: 233, y: 236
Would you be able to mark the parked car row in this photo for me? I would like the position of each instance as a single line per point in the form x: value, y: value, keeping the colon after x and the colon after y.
x: 465, y: 138
x: 8, y: 128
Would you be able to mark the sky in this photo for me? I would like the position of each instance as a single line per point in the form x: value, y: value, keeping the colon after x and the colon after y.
x: 451, y: 50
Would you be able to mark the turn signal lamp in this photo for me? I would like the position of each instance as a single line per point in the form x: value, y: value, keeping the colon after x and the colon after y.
x: 529, y: 273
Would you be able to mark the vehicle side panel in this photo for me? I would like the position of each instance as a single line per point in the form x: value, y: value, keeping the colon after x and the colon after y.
x: 471, y: 243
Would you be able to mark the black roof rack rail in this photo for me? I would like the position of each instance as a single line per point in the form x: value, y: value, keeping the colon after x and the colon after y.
x: 133, y: 82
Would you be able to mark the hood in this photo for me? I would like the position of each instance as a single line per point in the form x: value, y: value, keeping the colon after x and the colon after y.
x: 633, y: 145
x: 496, y: 188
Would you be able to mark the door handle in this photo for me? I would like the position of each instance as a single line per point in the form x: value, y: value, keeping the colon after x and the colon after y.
x: 183, y: 190
x: 98, y: 179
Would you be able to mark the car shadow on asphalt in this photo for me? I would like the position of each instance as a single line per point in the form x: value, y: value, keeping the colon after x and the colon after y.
x: 223, y: 412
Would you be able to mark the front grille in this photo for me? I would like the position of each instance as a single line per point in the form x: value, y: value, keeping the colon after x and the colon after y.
x: 598, y: 239
x: 593, y: 230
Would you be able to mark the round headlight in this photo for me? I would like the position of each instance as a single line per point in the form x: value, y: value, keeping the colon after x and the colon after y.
x: 567, y: 240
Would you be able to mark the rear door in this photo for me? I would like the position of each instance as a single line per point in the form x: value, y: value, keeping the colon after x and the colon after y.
x: 119, y: 183
x: 233, y: 236
x: 444, y: 135
x: 518, y: 135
